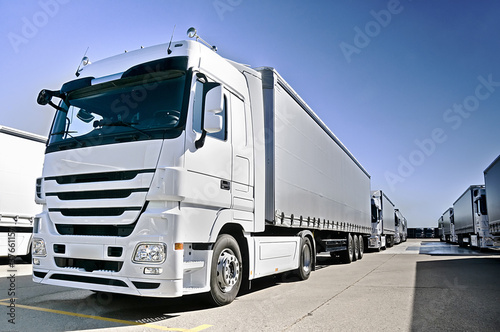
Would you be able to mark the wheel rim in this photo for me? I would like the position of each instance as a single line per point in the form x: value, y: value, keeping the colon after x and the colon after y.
x: 228, y: 270
x: 356, y: 246
x: 351, y: 246
x: 307, y: 258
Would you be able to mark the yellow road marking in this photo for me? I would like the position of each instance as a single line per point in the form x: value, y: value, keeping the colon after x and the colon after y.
x: 120, y: 321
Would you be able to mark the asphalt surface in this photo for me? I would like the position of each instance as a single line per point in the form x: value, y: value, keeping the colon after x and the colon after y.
x: 419, y: 285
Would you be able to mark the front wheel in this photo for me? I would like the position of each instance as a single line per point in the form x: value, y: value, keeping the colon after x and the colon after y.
x: 226, y: 270
x: 306, y: 259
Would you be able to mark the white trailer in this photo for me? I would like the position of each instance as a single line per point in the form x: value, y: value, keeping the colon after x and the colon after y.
x: 171, y: 170
x: 471, y: 219
x: 383, y: 221
x: 492, y: 188
x: 20, y: 166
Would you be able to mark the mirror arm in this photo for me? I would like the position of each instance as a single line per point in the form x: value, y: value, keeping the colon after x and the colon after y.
x: 57, y: 107
x: 201, y: 141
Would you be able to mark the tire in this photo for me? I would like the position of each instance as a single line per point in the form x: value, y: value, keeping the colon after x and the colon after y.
x: 306, y: 259
x: 347, y: 255
x: 361, y: 246
x: 355, y: 240
x: 225, y: 271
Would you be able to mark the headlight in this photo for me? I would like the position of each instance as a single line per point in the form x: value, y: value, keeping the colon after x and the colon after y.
x: 38, y: 247
x: 150, y: 253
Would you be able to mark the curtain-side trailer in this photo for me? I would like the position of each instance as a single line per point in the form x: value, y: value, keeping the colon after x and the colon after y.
x: 20, y: 165
x: 182, y: 172
x: 492, y: 188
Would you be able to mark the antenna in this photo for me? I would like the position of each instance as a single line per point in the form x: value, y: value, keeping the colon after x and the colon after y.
x: 85, y: 61
x: 168, y: 49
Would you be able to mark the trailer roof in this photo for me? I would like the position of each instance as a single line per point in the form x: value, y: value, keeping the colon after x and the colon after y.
x: 471, y: 187
x: 281, y: 81
x: 492, y: 164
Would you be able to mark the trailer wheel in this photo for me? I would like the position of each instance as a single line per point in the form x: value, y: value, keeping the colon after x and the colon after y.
x: 361, y: 246
x: 226, y: 270
x: 346, y: 255
x: 355, y: 240
x: 306, y: 259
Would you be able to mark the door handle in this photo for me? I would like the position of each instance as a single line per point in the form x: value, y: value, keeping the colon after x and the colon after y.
x: 225, y: 184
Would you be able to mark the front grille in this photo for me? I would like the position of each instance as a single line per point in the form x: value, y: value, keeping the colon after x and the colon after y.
x: 88, y: 265
x: 99, y: 177
x: 98, y: 194
x: 97, y: 204
x: 96, y: 230
x: 95, y: 212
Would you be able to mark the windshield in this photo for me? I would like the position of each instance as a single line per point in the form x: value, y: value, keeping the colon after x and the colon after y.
x: 133, y: 108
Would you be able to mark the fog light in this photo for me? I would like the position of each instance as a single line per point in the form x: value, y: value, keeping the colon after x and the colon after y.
x: 38, y: 247
x: 153, y: 270
x: 36, y: 261
x: 150, y: 253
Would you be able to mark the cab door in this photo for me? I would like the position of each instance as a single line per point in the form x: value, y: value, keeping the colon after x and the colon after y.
x: 209, y: 166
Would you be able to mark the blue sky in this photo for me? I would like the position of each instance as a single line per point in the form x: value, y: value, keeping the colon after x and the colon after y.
x: 412, y: 88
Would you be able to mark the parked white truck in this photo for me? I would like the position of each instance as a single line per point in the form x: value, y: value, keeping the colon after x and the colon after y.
x: 383, y: 221
x: 492, y: 188
x: 170, y: 170
x: 20, y: 166
x: 449, y: 226
x: 400, y: 223
x: 471, y: 219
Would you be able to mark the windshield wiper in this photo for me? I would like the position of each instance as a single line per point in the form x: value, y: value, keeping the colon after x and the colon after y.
x: 80, y: 143
x: 106, y: 123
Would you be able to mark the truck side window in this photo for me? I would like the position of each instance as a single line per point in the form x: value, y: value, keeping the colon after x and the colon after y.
x: 198, y: 111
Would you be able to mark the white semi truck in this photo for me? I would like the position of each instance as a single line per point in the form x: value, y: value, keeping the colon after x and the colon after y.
x: 449, y: 226
x: 171, y: 170
x: 400, y: 223
x: 404, y: 229
x: 492, y: 188
x: 471, y: 219
x: 20, y: 166
x: 383, y: 222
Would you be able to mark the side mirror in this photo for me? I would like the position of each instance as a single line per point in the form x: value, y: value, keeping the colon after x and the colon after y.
x: 45, y: 96
x: 212, y: 121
